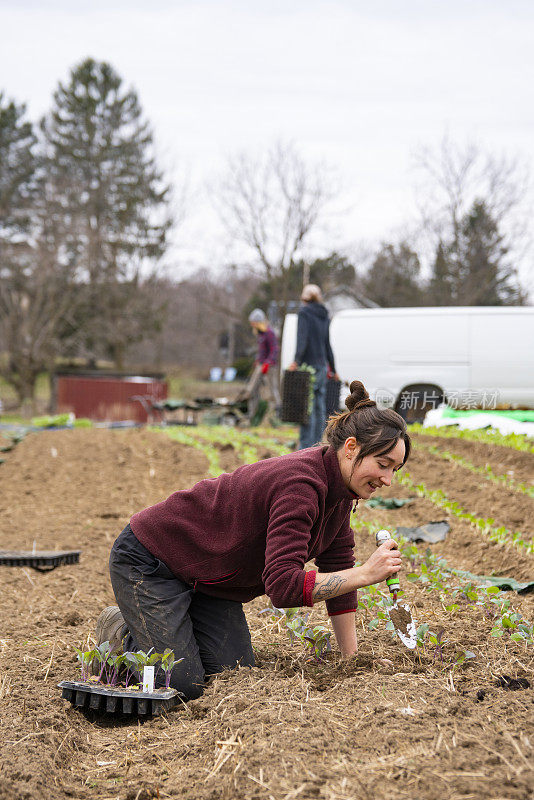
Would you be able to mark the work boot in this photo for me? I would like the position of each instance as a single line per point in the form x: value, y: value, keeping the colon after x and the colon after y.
x: 111, y: 627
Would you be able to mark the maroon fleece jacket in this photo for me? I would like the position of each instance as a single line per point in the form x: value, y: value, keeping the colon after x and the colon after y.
x: 251, y: 531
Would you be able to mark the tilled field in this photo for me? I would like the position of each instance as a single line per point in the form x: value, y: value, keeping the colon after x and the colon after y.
x: 389, y: 723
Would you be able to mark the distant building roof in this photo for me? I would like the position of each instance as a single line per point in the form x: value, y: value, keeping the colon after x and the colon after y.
x: 343, y: 297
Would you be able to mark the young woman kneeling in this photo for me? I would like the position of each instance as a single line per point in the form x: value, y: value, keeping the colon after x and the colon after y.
x: 182, y: 569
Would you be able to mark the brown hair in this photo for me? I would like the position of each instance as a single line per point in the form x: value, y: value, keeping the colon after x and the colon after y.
x: 376, y: 430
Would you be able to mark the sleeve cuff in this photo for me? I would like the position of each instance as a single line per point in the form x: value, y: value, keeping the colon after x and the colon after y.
x: 342, y: 604
x: 309, y: 583
x: 337, y: 613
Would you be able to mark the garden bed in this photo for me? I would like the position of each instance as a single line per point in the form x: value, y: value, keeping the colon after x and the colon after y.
x: 388, y: 723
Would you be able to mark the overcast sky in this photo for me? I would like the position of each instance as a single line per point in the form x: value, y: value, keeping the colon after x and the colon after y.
x: 357, y: 84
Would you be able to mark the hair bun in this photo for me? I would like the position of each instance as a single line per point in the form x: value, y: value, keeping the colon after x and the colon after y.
x: 358, y: 397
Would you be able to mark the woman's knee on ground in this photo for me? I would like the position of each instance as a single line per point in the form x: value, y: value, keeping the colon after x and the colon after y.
x: 190, y: 684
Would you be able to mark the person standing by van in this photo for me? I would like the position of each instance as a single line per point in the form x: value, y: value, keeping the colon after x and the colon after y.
x: 313, y: 349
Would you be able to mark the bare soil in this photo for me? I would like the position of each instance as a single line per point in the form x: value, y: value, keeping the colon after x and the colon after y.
x: 388, y: 723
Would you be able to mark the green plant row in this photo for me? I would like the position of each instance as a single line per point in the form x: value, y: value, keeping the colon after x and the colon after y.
x: 486, y: 471
x: 495, y: 534
x: 453, y: 590
x: 244, y: 442
x: 179, y: 435
x: 204, y: 437
x: 516, y: 441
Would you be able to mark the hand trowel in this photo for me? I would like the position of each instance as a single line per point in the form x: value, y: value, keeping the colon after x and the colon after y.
x: 399, y: 613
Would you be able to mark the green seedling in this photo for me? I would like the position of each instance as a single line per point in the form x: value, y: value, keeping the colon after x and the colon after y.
x: 130, y: 662
x: 316, y: 639
x: 86, y: 659
x: 167, y: 663
x: 101, y: 654
x: 462, y: 657
x: 143, y: 659
x: 111, y: 666
x: 439, y: 642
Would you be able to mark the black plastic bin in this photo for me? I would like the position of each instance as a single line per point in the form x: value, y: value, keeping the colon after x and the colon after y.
x: 333, y: 390
x: 295, y: 396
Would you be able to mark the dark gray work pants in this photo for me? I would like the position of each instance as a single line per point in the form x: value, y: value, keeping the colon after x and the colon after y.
x: 162, y: 611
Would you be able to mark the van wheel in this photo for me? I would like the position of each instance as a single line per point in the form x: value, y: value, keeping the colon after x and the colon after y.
x: 414, y: 401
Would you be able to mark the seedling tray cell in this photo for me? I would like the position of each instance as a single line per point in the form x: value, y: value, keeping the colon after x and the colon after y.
x: 118, y: 701
x: 42, y: 560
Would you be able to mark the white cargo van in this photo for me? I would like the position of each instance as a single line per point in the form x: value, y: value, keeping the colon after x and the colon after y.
x: 412, y: 358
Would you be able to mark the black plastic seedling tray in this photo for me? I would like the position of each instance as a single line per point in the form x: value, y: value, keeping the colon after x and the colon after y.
x: 118, y: 701
x: 295, y: 396
x: 42, y: 560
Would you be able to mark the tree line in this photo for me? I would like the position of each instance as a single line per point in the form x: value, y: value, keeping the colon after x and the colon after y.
x: 85, y: 216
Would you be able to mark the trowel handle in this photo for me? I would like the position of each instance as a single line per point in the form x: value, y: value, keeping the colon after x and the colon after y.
x: 393, y: 583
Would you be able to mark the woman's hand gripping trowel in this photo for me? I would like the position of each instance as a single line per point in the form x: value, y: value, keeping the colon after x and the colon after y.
x: 399, y: 613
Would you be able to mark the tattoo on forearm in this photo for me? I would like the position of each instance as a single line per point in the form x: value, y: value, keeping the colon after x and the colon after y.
x: 328, y: 588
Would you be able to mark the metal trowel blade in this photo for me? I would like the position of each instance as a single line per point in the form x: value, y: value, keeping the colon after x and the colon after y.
x: 404, y: 624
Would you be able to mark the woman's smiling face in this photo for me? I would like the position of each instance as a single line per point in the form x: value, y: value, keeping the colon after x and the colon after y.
x: 373, y: 471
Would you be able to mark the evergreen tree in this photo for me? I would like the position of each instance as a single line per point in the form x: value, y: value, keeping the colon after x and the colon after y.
x: 18, y: 169
x: 441, y: 286
x: 330, y: 272
x: 18, y: 187
x: 486, y: 276
x: 394, y: 277
x: 473, y: 268
x: 106, y: 184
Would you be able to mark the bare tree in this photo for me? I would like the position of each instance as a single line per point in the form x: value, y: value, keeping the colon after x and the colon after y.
x: 40, y: 299
x: 453, y: 177
x: 271, y: 205
x: 454, y: 182
x: 203, y: 325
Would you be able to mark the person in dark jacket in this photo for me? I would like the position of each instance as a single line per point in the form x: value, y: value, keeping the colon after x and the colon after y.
x: 313, y: 349
x: 181, y: 569
x: 266, y: 365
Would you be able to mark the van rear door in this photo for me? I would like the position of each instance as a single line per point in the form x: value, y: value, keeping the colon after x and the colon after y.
x: 502, y: 354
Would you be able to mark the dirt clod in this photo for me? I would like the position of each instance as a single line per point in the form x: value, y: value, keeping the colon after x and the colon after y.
x: 506, y: 682
x: 401, y: 618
